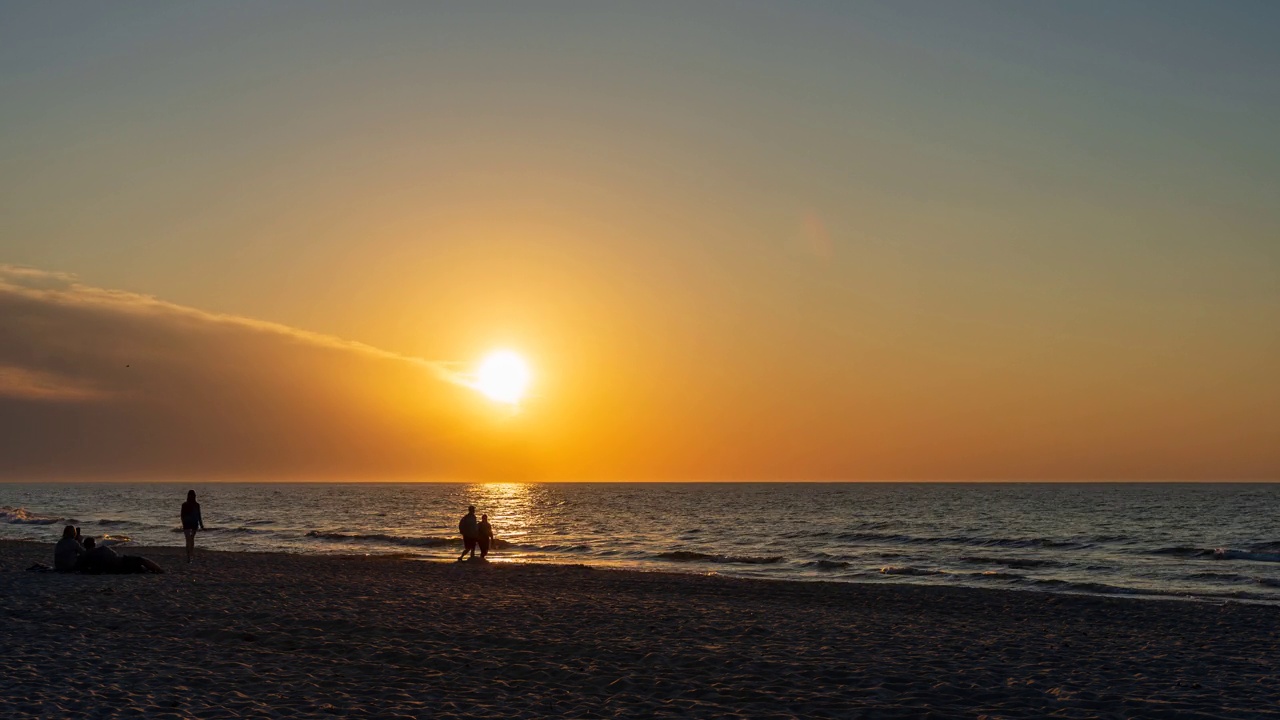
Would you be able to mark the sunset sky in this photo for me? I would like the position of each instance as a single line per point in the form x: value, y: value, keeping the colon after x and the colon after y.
x: 732, y: 240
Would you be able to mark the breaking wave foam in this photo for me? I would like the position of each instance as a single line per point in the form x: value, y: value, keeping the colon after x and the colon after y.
x: 21, y: 516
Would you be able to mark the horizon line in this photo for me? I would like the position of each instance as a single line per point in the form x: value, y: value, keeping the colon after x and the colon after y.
x: 297, y: 481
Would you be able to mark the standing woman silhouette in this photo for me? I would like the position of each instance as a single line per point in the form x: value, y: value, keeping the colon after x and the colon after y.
x: 191, y: 522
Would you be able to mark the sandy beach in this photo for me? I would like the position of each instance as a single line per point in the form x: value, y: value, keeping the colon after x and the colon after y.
x: 273, y: 635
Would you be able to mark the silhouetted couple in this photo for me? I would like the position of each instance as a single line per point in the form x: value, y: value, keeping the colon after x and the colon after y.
x: 475, y: 533
x: 73, y: 554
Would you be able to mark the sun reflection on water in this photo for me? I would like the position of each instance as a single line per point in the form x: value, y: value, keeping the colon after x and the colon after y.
x: 513, y: 509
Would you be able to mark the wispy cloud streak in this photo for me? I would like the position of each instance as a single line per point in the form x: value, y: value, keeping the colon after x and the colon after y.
x: 101, y: 382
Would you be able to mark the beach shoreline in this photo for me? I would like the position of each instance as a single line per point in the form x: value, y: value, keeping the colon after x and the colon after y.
x: 1158, y: 541
x: 280, y: 635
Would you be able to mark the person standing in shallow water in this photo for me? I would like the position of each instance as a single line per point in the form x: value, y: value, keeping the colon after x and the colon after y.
x: 486, y: 536
x: 192, y: 521
x: 470, y: 532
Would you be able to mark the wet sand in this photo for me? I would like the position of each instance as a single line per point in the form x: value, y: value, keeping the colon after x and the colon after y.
x: 274, y: 635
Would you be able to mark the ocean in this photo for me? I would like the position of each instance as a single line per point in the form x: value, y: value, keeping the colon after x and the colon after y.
x: 1204, y: 541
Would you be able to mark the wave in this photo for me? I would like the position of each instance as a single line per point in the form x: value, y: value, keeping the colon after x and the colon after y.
x: 997, y: 575
x: 229, y: 531
x: 1030, y: 543
x: 1097, y: 588
x: 825, y: 564
x: 690, y: 556
x: 1229, y: 554
x: 1110, y: 538
x: 1228, y: 578
x: 238, y: 531
x: 884, y: 537
x: 549, y: 548
x: 1183, y: 551
x: 1094, y: 588
x: 22, y: 516
x: 422, y: 542
x: 388, y: 539
x: 1221, y: 553
x: 1010, y: 561
x: 977, y: 541
x: 908, y: 570
x: 1219, y: 577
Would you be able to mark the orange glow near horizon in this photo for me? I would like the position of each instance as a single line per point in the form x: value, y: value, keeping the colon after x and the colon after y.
x: 858, y: 242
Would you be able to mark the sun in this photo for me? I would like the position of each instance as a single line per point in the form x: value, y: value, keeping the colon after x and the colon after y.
x: 503, y: 376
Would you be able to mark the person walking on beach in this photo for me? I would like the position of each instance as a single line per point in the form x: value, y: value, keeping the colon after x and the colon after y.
x: 192, y: 521
x: 486, y: 536
x: 470, y: 532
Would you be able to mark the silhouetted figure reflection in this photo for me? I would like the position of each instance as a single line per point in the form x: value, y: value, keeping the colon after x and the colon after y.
x: 192, y: 522
x: 105, y: 560
x: 486, y: 535
x: 470, y: 532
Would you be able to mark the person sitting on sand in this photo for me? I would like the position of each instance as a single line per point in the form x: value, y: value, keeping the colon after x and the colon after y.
x: 191, y: 522
x: 486, y: 536
x: 68, y: 552
x: 105, y: 560
x: 470, y: 533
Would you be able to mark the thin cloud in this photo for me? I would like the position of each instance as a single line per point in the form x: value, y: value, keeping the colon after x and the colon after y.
x: 27, y: 384
x: 65, y: 289
x: 97, y: 382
